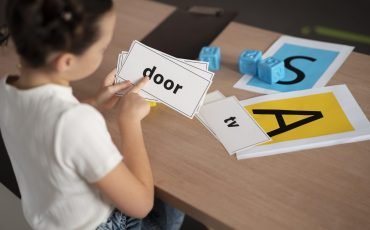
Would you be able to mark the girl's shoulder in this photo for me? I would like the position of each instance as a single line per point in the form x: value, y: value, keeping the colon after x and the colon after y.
x: 80, y: 120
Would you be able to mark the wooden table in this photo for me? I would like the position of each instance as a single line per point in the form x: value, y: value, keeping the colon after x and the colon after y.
x: 325, y: 188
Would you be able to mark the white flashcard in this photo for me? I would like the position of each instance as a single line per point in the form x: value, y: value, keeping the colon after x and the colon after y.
x: 170, y: 82
x: 118, y: 64
x: 198, y: 67
x: 211, y: 97
x: 233, y: 125
x: 197, y: 64
x: 121, y: 57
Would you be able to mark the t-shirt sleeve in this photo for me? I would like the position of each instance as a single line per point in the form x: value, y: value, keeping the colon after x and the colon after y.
x: 84, y: 143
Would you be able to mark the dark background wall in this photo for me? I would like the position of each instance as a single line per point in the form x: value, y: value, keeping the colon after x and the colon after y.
x: 2, y: 12
x: 346, y: 22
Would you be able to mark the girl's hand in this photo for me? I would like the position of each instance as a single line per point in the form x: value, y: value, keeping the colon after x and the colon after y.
x: 133, y: 106
x: 106, y: 98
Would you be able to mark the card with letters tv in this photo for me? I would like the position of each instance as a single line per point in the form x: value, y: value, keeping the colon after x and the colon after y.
x: 231, y: 124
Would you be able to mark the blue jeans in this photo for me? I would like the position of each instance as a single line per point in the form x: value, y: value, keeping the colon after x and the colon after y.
x: 162, y: 217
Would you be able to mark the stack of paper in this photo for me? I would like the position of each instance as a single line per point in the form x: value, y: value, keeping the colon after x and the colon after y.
x: 180, y: 84
x: 230, y: 123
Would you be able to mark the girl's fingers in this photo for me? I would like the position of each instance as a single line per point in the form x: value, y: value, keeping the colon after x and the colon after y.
x: 110, y: 91
x: 109, y: 79
x: 139, y: 85
x: 113, y: 89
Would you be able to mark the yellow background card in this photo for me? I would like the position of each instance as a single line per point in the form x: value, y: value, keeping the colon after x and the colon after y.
x: 300, y: 117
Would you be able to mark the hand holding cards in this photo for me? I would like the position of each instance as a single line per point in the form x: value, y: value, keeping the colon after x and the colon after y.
x: 182, y: 85
x: 174, y: 82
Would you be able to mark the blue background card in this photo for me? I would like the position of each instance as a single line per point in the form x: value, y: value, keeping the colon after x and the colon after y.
x: 308, y: 64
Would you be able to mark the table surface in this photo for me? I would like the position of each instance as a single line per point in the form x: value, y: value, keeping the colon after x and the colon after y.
x: 325, y: 188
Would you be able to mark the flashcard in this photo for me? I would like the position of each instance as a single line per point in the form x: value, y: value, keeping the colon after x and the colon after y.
x: 179, y: 88
x: 198, y: 67
x: 122, y: 57
x: 306, y: 119
x: 192, y: 63
x: 209, y: 98
x: 308, y: 64
x: 118, y: 64
x: 233, y: 126
x: 213, y: 97
x: 197, y: 64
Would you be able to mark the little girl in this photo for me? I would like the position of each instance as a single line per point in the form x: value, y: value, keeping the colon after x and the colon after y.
x: 70, y: 173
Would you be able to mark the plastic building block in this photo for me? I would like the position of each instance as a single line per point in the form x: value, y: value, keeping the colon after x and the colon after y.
x: 152, y: 103
x: 248, y: 61
x: 271, y: 70
x: 212, y: 55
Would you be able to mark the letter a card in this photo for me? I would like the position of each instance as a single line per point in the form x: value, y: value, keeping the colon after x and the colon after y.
x: 232, y: 125
x: 306, y: 119
x: 308, y: 64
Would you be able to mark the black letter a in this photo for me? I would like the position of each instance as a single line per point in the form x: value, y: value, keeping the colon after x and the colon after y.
x: 315, y: 115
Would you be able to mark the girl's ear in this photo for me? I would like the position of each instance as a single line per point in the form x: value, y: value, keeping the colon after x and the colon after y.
x: 63, y: 62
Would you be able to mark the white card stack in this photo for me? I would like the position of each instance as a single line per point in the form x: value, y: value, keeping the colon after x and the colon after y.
x: 230, y: 123
x: 178, y: 83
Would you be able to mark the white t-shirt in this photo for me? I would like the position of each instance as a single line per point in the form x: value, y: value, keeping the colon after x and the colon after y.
x: 57, y: 147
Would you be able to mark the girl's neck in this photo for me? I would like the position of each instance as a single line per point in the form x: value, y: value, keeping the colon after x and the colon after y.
x: 30, y: 78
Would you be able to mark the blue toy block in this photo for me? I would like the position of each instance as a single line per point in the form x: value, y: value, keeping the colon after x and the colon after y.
x: 212, y: 55
x: 271, y: 70
x: 248, y: 61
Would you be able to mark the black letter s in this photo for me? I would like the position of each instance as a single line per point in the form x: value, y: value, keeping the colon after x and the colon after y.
x: 300, y: 74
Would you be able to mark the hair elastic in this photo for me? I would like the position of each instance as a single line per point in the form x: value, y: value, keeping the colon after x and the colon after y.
x: 67, y: 16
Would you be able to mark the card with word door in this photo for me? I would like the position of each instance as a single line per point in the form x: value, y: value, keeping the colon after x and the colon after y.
x: 180, y: 84
x: 308, y: 64
x: 194, y: 63
x: 307, y: 119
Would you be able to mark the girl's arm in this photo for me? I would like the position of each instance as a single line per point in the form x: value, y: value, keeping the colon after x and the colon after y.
x: 130, y: 184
